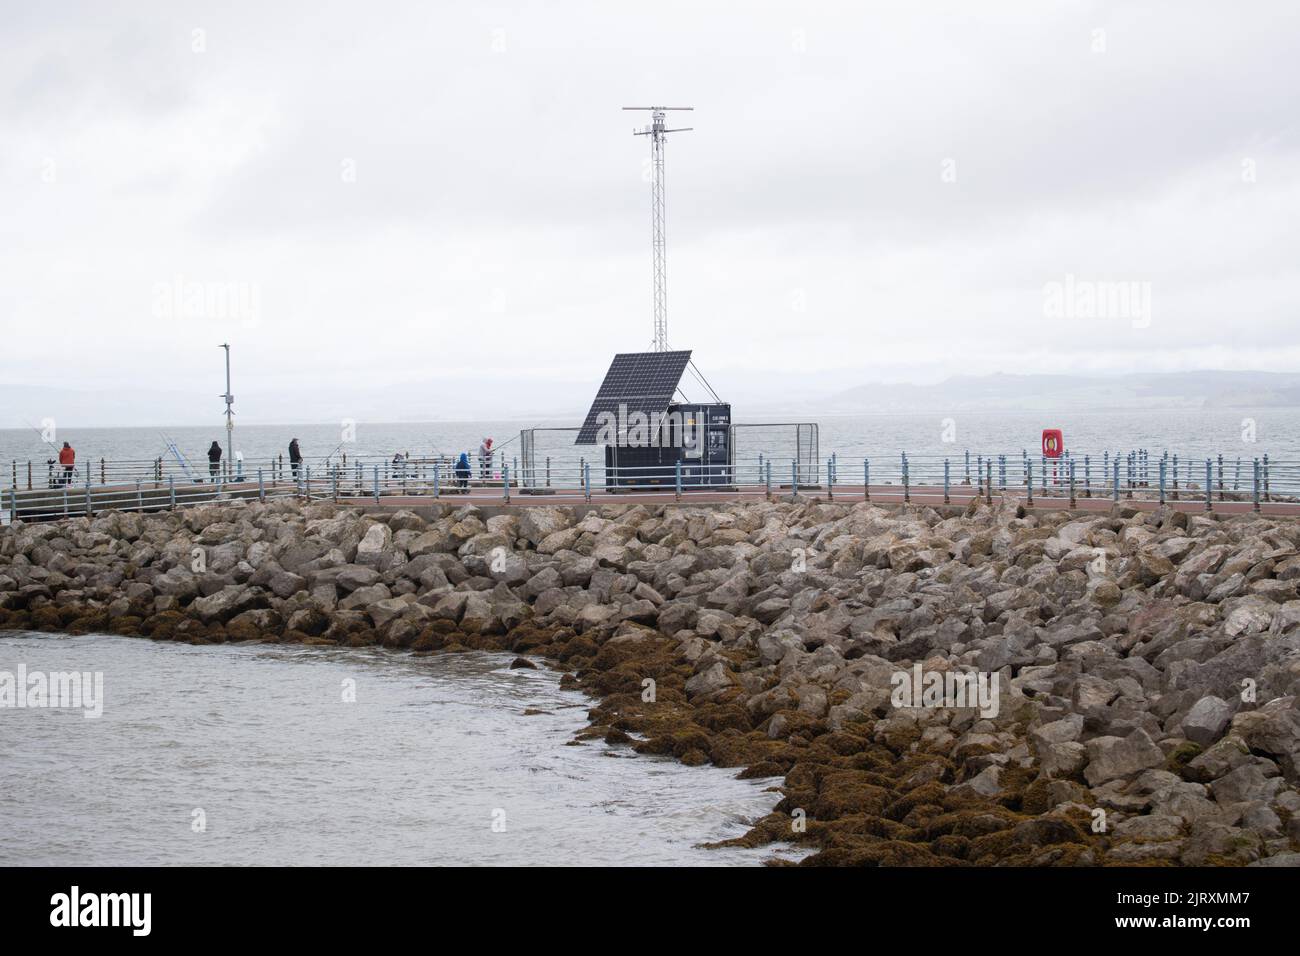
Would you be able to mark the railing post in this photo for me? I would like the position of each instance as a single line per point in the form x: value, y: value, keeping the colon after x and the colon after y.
x: 334, y: 484
x: 171, y: 491
x: 830, y: 480
x: 586, y: 480
x: 907, y: 482
x: 1255, y: 494
x: 1265, y: 470
x: 1162, y: 482
x: 968, y: 466
x: 988, y: 484
x: 13, y: 504
x: 1073, y: 501
x: 1087, y: 476
x: 139, y: 496
x: 1209, y: 485
x: 866, y: 479
x: 505, y: 482
x: 677, y: 480
x: 1175, y: 491
x: 102, y: 472
x: 1029, y: 482
x: 794, y: 478
x: 1115, y: 481
x: 946, y: 497
x: 261, y: 486
x: 767, y: 480
x: 376, y: 483
x: 88, y: 505
x: 1221, y: 498
x: 437, y: 475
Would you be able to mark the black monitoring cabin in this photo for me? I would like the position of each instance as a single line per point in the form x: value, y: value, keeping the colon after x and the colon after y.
x: 646, y: 433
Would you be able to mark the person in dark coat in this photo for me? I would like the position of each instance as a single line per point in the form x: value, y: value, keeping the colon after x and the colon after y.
x: 462, y: 470
x: 295, y: 458
x: 214, y: 460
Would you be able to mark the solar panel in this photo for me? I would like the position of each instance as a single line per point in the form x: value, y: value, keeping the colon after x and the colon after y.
x: 643, y: 381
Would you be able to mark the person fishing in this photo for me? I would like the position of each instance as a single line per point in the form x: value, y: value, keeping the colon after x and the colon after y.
x: 214, y: 461
x: 295, y: 458
x: 68, y: 459
x: 485, y: 458
x: 462, y: 470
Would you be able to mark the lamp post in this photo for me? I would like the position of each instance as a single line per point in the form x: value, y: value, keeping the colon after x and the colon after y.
x: 230, y: 415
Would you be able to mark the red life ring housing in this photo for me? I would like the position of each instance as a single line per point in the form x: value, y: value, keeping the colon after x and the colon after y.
x: 1053, y: 443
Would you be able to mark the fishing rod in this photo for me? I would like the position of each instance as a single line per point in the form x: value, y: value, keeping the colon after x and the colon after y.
x: 336, y: 448
x: 518, y: 435
x: 54, y: 447
x: 171, y: 446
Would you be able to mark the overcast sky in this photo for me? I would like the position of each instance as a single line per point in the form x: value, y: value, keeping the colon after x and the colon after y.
x: 427, y: 200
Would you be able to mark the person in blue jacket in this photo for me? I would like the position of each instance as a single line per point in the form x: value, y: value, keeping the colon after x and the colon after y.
x: 463, y: 470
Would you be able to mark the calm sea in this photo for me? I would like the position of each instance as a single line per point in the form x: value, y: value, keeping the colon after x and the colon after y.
x: 250, y: 754
x: 1245, y: 433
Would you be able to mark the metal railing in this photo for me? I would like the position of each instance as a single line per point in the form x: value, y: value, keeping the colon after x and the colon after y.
x: 1069, y: 481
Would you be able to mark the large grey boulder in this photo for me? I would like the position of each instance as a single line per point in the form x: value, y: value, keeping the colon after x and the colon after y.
x: 536, y: 524
x: 285, y: 584
x: 1273, y: 729
x: 377, y: 540
x: 710, y: 681
x: 1207, y: 720
x: 1112, y: 758
x: 226, y: 603
x: 353, y: 576
x: 363, y: 597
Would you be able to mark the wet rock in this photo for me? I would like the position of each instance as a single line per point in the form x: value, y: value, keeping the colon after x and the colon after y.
x: 226, y: 603
x: 709, y: 682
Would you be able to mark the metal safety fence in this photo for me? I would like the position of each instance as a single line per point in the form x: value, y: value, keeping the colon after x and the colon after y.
x: 1069, y: 481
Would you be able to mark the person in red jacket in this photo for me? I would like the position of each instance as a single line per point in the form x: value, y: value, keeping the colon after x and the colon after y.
x: 68, y: 459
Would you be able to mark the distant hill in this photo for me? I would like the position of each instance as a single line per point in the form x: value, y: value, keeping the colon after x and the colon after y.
x: 496, y: 397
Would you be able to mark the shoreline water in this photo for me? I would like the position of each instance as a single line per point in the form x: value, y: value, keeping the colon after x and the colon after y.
x: 257, y: 745
x: 702, y: 637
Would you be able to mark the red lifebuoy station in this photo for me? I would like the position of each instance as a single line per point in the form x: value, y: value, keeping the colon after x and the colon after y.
x: 1053, y: 443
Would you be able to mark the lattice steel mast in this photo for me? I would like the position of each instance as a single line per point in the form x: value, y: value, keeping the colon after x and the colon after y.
x: 658, y: 136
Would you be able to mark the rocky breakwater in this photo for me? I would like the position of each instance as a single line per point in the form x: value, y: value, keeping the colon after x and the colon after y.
x: 1140, y: 672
